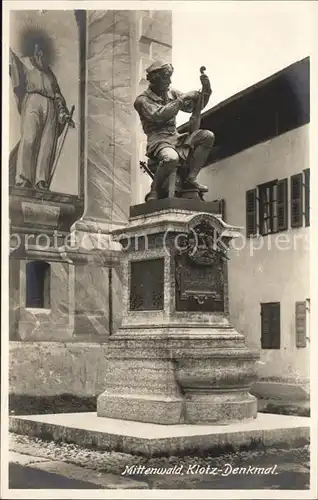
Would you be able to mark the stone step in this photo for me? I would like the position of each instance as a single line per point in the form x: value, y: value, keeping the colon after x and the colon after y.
x: 89, y: 430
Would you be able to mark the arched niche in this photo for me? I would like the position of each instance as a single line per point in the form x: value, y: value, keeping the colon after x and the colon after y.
x: 38, y: 285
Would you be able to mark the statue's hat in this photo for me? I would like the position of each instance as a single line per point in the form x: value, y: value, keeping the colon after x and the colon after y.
x: 158, y: 65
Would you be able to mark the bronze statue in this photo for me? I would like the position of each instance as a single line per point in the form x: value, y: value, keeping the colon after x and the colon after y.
x: 167, y: 150
x: 44, y: 115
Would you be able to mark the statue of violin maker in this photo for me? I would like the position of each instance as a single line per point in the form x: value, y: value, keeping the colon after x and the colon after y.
x: 158, y: 107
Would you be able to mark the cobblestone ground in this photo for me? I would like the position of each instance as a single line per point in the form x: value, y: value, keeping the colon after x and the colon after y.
x: 291, y: 471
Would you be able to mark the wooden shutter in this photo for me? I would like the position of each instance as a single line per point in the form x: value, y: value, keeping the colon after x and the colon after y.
x: 251, y: 212
x: 296, y: 198
x: 222, y: 205
x: 282, y: 205
x: 265, y: 327
x: 275, y: 325
x: 270, y: 325
x: 300, y: 324
x: 307, y: 196
x: 262, y: 203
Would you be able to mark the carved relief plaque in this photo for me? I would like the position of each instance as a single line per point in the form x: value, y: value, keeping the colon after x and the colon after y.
x: 198, y: 287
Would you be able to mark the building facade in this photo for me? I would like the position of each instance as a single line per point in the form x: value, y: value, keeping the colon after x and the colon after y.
x: 65, y: 277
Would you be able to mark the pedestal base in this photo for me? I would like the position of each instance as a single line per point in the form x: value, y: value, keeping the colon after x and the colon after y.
x: 221, y: 408
x: 140, y: 383
x: 172, y: 379
x: 140, y: 408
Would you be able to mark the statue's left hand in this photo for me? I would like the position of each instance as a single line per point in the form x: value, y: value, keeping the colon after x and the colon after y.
x: 70, y: 121
x: 65, y: 118
x: 193, y: 95
x: 190, y: 97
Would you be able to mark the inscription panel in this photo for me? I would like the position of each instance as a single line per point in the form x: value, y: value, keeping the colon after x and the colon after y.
x: 199, y: 288
x: 147, y: 285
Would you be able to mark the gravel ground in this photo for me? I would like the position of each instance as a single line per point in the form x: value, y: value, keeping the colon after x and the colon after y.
x: 292, y: 462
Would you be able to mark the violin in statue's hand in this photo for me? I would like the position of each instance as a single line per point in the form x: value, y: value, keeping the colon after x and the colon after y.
x: 205, y: 81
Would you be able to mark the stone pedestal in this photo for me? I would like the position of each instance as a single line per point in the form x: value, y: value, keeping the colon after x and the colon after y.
x: 176, y: 358
x: 95, y: 283
x: 39, y: 225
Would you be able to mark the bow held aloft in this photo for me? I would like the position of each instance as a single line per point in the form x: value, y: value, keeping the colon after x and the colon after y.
x: 194, y: 122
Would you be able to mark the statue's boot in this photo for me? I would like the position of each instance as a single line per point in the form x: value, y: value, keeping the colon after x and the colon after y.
x: 24, y: 182
x: 152, y: 195
x: 163, y: 171
x: 197, y: 160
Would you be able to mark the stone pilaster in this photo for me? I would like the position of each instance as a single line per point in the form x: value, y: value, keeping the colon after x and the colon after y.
x: 151, y: 39
x: 109, y: 118
x: 118, y: 44
x: 107, y: 186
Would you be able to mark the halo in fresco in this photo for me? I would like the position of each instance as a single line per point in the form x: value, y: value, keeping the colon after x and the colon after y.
x: 34, y: 35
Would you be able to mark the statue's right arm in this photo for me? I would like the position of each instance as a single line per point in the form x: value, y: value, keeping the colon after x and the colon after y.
x: 15, y: 63
x: 157, y: 113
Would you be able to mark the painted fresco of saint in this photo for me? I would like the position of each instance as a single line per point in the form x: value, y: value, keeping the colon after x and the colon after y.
x: 43, y: 112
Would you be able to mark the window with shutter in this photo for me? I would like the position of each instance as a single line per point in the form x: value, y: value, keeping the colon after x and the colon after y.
x: 296, y: 191
x: 251, y: 215
x: 270, y: 325
x: 282, y: 204
x: 300, y: 323
x: 307, y: 196
x: 268, y: 211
